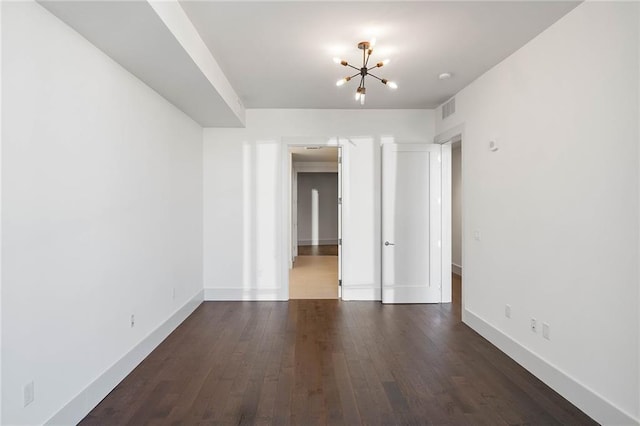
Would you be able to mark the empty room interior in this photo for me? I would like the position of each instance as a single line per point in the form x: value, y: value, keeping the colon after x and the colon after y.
x: 311, y: 212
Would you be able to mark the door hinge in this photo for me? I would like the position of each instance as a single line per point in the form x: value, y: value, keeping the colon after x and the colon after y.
x: 339, y: 160
x: 339, y: 241
x: 339, y: 200
x: 339, y: 283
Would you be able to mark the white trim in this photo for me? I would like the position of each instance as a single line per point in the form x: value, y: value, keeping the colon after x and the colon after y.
x: 593, y: 404
x: 368, y: 292
x: 452, y: 135
x: 456, y: 269
x: 76, y: 409
x: 237, y: 294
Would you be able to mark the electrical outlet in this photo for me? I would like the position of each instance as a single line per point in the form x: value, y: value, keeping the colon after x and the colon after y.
x: 534, y: 325
x: 507, y: 311
x: 546, y: 331
x: 476, y: 235
x: 133, y: 320
x: 29, y: 393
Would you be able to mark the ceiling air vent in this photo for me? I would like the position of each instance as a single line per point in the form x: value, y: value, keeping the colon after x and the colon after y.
x: 449, y: 108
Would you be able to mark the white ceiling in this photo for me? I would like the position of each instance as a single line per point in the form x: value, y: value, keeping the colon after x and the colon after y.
x: 279, y: 54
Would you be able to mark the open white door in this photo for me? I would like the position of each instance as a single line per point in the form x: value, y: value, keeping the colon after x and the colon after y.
x: 411, y: 223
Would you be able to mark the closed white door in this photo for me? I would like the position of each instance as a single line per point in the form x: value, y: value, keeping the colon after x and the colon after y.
x: 411, y: 223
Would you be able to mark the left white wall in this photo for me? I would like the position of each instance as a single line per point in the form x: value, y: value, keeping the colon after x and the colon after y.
x: 101, y: 218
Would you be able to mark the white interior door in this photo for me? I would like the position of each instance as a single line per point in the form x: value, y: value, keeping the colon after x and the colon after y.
x: 339, y: 222
x: 411, y: 223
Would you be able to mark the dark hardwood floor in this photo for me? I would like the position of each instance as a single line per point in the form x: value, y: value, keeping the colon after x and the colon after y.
x: 311, y: 362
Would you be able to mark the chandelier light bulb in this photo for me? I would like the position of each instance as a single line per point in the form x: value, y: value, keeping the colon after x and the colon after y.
x: 340, y: 61
x: 360, y: 94
x: 342, y: 81
x: 392, y: 84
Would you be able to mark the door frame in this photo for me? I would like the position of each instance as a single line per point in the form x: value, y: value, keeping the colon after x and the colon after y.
x: 287, y: 178
x: 449, y: 137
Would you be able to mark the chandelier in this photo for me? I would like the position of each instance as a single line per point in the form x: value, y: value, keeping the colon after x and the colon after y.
x: 365, y: 70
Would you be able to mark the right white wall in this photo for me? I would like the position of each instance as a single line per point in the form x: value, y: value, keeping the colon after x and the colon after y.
x: 556, y: 207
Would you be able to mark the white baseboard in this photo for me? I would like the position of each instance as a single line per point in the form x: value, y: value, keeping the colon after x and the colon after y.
x: 326, y: 242
x: 244, y: 294
x: 594, y: 405
x: 456, y: 269
x: 361, y: 292
x: 88, y: 398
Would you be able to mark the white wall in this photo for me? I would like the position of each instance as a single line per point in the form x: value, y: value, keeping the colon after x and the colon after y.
x: 456, y: 209
x: 557, y: 206
x: 244, y: 251
x: 326, y: 185
x: 101, y: 217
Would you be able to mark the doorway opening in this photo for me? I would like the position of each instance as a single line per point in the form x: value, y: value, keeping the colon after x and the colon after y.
x: 456, y: 221
x: 315, y: 200
x: 453, y: 141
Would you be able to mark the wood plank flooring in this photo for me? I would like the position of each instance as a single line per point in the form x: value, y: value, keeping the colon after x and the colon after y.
x: 309, y: 362
x: 314, y: 277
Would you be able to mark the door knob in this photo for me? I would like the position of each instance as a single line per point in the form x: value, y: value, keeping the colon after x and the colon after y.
x: 387, y: 243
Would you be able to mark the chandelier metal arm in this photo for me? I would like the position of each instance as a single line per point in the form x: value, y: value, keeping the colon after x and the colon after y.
x: 349, y: 65
x: 366, y: 62
x: 374, y: 76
